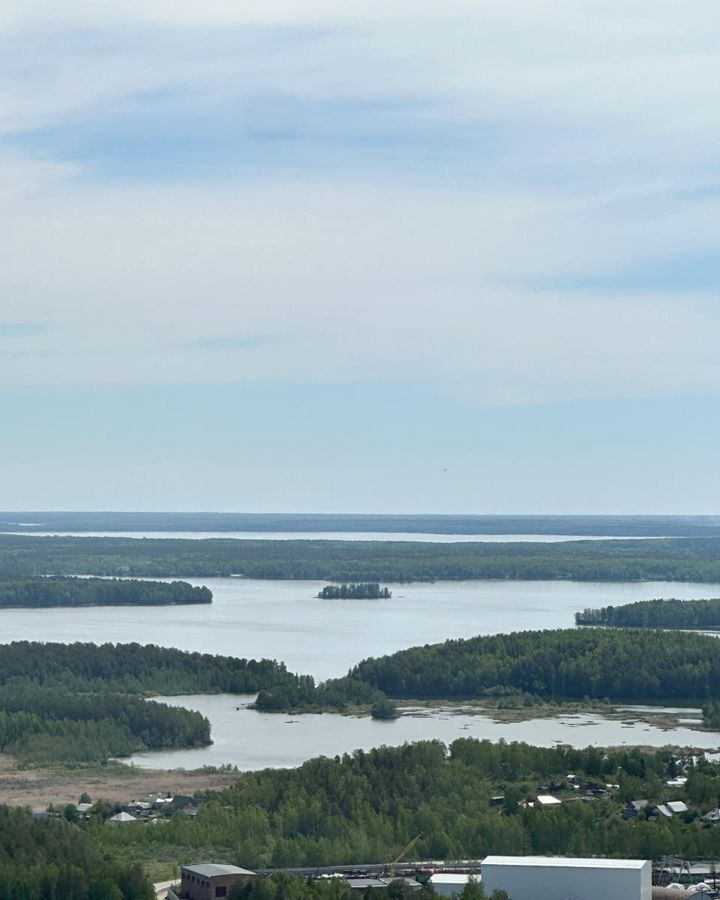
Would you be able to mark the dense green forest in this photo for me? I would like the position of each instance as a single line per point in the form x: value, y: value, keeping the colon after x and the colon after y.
x: 563, y: 665
x: 363, y: 591
x: 42, y: 860
x: 69, y: 591
x: 685, y: 559
x: 567, y: 664
x: 671, y: 613
x: 367, y: 806
x: 81, y: 703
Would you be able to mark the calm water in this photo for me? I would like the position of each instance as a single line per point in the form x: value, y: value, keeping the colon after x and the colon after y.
x: 252, y: 740
x: 285, y: 620
x: 336, y: 536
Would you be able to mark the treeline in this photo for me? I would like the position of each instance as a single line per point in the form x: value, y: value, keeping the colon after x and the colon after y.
x: 671, y: 613
x: 69, y: 591
x: 629, y: 526
x: 40, y: 726
x: 41, y: 860
x: 561, y: 665
x: 81, y: 703
x: 367, y: 806
x: 135, y: 669
x: 363, y: 591
x: 685, y: 559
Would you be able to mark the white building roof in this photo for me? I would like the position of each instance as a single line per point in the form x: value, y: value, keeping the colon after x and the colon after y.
x: 564, y: 862
x: 677, y: 806
x: 123, y: 817
x: 548, y: 800
x: 451, y: 878
x: 210, y: 870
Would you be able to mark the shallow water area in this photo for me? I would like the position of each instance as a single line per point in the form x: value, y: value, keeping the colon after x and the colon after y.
x: 252, y: 740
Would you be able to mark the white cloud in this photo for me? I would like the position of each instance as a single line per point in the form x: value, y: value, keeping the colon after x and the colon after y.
x: 323, y: 284
x: 541, y: 140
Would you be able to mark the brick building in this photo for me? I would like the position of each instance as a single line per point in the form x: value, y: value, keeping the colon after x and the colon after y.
x: 209, y: 880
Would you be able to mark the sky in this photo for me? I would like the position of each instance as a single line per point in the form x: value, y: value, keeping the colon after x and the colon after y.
x: 360, y: 257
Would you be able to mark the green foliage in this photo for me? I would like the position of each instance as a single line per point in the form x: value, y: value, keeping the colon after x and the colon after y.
x: 357, y: 808
x: 688, y: 559
x: 66, y: 591
x: 656, y: 614
x: 383, y: 709
x: 40, y: 726
x: 40, y: 860
x: 523, y: 667
x: 135, y: 668
x: 563, y: 664
x: 288, y: 887
x: 363, y: 591
x: 80, y: 703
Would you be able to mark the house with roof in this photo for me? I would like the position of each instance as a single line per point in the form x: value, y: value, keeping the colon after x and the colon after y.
x: 670, y: 809
x: 634, y: 808
x: 122, y: 818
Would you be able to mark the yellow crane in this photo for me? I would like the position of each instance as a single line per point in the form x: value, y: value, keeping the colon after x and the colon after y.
x: 406, y: 849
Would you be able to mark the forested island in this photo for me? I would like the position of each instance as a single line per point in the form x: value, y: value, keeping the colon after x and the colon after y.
x: 682, y: 559
x: 569, y: 664
x: 363, y: 591
x: 84, y: 703
x: 41, y: 591
x: 692, y: 614
x: 366, y: 806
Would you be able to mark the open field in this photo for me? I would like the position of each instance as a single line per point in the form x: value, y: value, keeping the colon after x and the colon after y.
x: 37, y: 788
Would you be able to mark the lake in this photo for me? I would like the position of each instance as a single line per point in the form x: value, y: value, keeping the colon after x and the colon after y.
x: 254, y: 740
x: 285, y: 620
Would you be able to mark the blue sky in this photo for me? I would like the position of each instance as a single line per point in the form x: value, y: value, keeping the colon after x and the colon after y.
x: 345, y: 257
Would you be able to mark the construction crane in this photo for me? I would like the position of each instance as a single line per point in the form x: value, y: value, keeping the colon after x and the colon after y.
x: 406, y: 849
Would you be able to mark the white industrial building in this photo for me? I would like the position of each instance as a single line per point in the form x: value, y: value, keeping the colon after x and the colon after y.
x: 564, y: 878
x: 448, y: 884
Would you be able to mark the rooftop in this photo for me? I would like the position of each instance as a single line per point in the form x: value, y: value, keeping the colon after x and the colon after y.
x: 450, y: 878
x: 548, y: 800
x: 564, y: 862
x: 211, y: 870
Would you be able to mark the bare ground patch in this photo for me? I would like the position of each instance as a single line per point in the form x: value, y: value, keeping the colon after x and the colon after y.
x: 37, y: 788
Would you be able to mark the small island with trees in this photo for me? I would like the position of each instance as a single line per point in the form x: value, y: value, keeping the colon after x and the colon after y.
x: 365, y: 590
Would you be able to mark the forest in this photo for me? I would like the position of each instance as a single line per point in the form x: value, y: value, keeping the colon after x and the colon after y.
x: 42, y: 860
x: 82, y: 703
x: 68, y: 591
x: 672, y: 613
x: 363, y: 591
x: 685, y: 559
x: 366, y: 806
x: 566, y: 664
